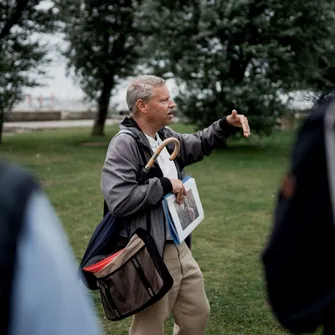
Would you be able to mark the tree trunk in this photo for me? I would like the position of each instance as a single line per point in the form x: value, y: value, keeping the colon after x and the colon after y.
x: 103, y: 103
x: 2, y: 117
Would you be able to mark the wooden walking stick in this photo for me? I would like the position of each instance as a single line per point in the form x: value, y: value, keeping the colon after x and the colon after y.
x: 160, y: 148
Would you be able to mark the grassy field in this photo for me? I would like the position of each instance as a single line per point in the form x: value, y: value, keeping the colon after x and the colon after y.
x: 237, y: 186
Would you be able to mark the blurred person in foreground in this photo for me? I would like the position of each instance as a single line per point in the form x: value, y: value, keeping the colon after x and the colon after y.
x: 39, y: 289
x: 299, y: 257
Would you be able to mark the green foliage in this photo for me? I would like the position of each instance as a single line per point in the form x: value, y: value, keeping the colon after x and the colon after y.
x: 102, y: 46
x: 241, y: 54
x: 20, y: 52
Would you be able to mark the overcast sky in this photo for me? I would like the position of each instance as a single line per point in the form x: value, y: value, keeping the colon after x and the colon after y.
x: 57, y: 82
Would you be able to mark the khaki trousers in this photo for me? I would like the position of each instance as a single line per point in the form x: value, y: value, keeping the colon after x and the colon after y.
x: 186, y: 299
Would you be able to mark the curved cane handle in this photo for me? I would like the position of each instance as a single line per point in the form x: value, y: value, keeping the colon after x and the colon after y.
x: 160, y: 148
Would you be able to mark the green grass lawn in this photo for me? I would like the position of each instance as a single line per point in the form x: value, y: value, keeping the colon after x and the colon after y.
x: 237, y: 186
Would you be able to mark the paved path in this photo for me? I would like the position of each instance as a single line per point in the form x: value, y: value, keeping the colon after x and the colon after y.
x: 36, y: 125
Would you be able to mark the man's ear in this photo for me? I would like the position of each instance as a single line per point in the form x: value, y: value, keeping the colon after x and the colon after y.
x: 141, y: 106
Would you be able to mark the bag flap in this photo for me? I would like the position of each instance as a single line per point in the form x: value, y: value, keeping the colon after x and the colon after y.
x: 134, y: 245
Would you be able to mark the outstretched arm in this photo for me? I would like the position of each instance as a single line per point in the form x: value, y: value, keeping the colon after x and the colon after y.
x: 195, y: 146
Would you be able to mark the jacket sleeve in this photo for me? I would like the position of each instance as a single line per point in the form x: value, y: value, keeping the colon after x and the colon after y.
x: 195, y: 146
x: 122, y: 192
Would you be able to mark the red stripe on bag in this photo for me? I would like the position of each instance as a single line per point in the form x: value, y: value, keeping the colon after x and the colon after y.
x: 101, y: 264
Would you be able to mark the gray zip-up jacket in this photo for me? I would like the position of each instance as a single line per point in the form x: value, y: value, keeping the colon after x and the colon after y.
x: 130, y: 201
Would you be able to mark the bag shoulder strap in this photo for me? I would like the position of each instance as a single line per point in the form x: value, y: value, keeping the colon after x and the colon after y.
x: 133, y: 135
x: 16, y: 186
x: 142, y: 153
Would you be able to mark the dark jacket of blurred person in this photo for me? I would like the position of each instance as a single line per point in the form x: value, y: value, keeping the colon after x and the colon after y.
x: 299, y: 257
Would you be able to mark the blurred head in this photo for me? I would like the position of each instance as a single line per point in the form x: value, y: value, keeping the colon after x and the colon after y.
x: 149, y: 99
x: 326, y: 98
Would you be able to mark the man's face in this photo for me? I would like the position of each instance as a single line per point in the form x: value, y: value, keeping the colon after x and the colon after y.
x: 160, y: 108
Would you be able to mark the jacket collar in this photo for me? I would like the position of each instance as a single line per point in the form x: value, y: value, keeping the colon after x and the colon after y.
x: 132, y: 125
x: 129, y: 122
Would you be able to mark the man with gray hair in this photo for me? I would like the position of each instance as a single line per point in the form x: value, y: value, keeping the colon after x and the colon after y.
x: 152, y: 109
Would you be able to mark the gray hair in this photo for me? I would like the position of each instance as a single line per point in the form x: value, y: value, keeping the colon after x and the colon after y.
x: 141, y: 88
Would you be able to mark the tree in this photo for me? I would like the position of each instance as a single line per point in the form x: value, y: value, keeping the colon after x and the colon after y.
x: 102, y: 47
x: 20, y: 52
x: 242, y: 54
